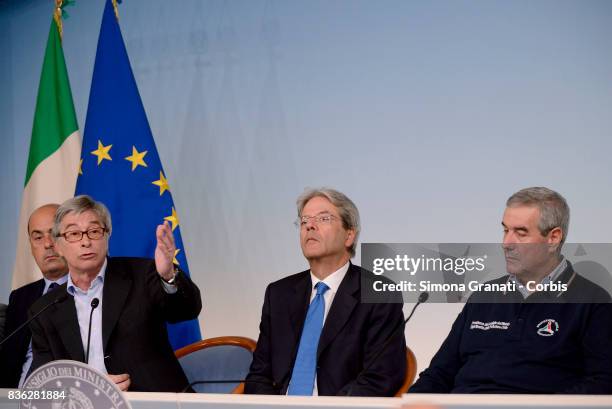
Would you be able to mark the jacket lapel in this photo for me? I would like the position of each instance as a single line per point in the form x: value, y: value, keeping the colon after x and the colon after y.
x: 33, y: 293
x: 116, y: 289
x: 38, y: 290
x: 345, y: 301
x: 67, y: 324
x: 299, y: 305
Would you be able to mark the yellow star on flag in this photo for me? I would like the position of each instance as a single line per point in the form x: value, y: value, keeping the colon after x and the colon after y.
x: 162, y: 183
x: 80, y: 166
x: 137, y: 158
x: 173, y: 219
x: 102, y: 152
x: 174, y: 260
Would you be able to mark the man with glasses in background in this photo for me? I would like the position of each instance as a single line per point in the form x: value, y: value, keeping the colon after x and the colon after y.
x: 135, y: 298
x: 316, y: 336
x: 16, y: 353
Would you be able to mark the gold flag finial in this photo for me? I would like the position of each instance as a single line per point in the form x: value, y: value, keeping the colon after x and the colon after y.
x: 57, y: 16
x: 116, y: 9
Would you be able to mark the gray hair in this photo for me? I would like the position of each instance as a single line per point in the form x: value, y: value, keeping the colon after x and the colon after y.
x: 554, y: 211
x: 346, y: 208
x: 78, y: 205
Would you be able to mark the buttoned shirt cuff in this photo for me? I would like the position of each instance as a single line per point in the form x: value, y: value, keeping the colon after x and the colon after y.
x: 169, y: 288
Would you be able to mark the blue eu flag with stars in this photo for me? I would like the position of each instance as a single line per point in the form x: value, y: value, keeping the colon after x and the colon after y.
x: 120, y: 165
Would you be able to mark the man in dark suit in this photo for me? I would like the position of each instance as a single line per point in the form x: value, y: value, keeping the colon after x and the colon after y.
x: 136, y: 298
x: 316, y: 336
x: 16, y: 353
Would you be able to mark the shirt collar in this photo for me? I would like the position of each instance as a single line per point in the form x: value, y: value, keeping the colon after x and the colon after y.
x: 59, y: 281
x: 71, y: 288
x: 548, y: 279
x: 333, y: 280
x: 556, y: 271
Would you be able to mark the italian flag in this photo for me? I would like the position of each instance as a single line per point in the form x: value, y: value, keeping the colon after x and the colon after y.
x: 55, y: 148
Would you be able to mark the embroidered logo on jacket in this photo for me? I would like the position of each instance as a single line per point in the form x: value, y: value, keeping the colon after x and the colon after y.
x: 485, y: 326
x: 547, y: 327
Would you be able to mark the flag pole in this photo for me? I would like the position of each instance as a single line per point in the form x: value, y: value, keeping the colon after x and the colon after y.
x: 57, y: 16
x: 116, y: 8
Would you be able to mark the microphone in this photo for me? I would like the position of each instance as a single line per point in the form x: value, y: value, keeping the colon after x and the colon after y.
x: 58, y: 299
x: 422, y: 298
x: 94, y: 304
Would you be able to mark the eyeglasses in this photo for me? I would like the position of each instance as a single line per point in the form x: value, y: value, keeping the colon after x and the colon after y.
x: 73, y: 236
x: 318, y: 219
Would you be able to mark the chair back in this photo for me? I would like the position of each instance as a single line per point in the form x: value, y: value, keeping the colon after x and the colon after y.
x: 217, y: 359
x: 411, y: 369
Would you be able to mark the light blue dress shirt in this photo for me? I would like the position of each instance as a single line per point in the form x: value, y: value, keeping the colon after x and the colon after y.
x: 546, y: 280
x: 82, y: 302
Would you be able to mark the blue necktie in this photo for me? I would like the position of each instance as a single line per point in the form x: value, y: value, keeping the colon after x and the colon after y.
x: 304, y: 369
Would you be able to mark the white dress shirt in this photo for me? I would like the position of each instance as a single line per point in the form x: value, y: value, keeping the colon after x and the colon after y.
x: 333, y: 282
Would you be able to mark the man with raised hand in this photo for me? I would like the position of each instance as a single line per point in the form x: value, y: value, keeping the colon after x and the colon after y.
x: 135, y: 299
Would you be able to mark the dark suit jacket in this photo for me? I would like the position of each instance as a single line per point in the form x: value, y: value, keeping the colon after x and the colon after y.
x: 134, y: 315
x: 352, y: 334
x: 12, y: 355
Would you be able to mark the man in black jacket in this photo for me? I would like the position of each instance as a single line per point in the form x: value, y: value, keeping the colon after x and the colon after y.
x: 16, y: 353
x: 136, y: 297
x: 553, y: 340
x: 316, y: 336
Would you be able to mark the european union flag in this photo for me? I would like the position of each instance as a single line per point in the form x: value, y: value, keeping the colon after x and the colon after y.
x: 120, y: 165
